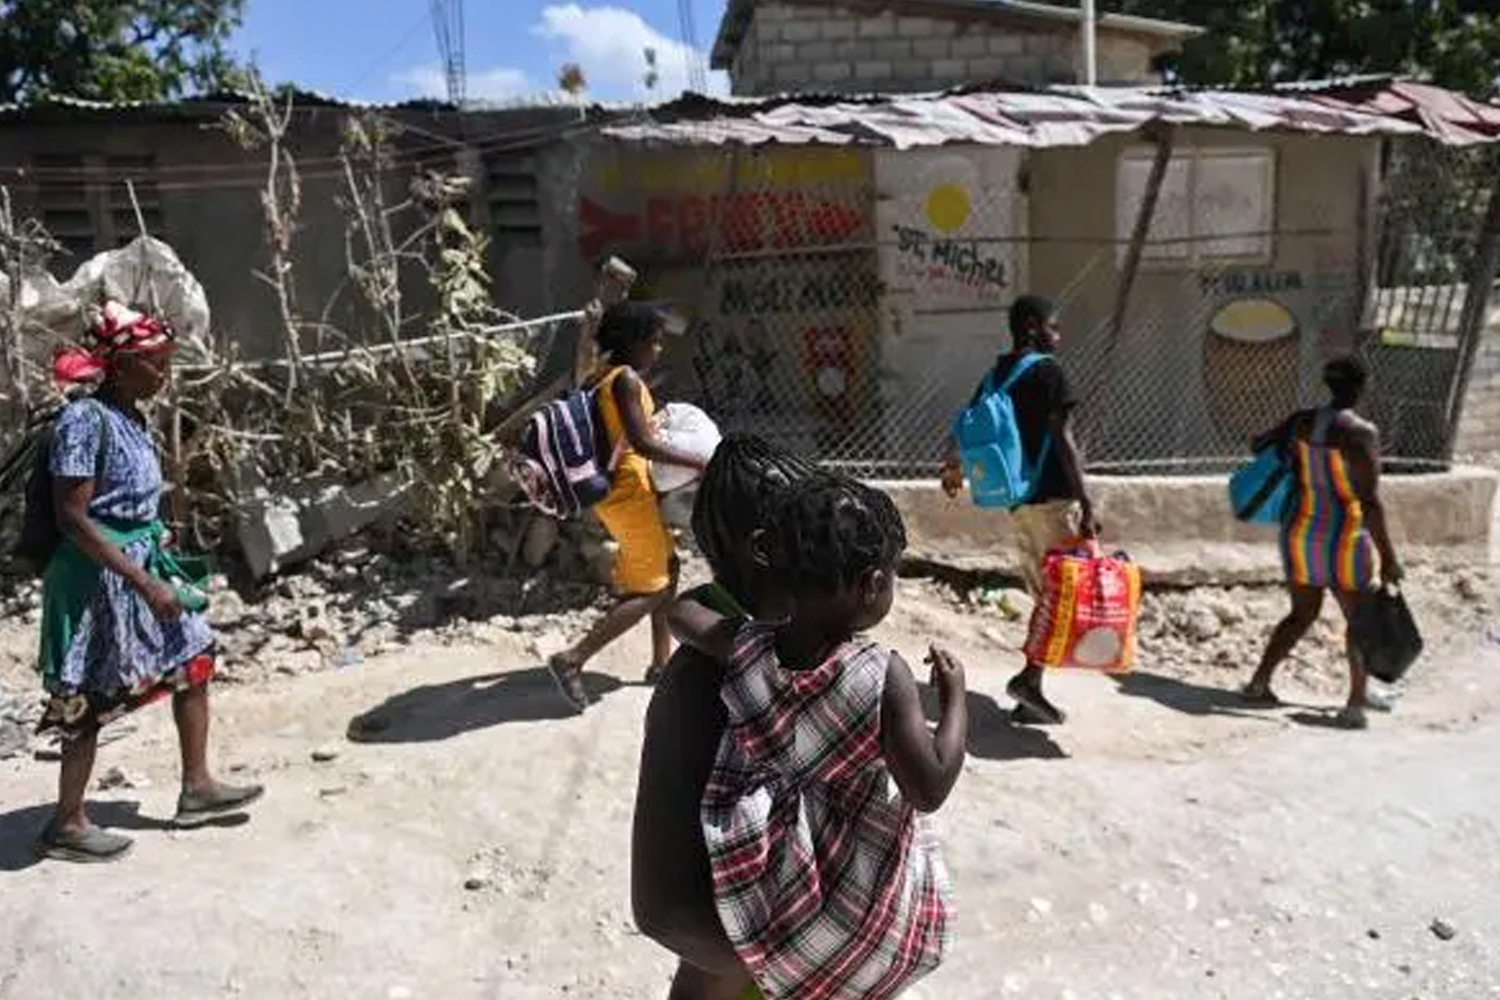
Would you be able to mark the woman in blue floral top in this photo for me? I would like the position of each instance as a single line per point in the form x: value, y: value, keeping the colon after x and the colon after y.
x: 121, y: 626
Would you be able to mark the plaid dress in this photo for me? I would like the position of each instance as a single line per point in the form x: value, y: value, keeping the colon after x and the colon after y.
x: 827, y: 882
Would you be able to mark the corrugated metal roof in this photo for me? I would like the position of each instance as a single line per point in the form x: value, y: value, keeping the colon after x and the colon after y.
x: 206, y: 103
x: 1062, y: 116
x: 212, y: 104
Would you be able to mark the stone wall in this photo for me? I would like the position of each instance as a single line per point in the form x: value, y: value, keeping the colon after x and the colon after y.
x: 833, y: 48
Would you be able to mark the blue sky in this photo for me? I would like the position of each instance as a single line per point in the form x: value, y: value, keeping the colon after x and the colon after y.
x: 386, y: 50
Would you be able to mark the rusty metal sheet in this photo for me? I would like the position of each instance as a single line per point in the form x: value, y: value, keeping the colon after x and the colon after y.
x: 1072, y: 116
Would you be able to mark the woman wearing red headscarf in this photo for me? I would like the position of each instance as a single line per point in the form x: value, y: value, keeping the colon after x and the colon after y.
x: 121, y: 627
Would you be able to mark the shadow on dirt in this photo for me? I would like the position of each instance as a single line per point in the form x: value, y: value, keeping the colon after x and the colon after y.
x: 19, y: 829
x: 992, y: 734
x: 436, y: 712
x: 1190, y: 699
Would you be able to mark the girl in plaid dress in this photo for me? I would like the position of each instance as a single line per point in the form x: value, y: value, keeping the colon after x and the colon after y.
x: 826, y: 879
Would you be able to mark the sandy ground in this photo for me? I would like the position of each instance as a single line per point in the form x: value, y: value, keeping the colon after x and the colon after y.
x: 1162, y: 845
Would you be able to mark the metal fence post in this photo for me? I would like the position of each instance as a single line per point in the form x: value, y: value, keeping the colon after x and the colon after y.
x: 1471, y: 320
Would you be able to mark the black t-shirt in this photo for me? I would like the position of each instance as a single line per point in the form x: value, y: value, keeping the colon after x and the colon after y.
x: 1042, y: 393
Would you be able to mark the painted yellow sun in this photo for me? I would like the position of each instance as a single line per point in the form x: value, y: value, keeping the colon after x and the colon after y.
x: 948, y: 207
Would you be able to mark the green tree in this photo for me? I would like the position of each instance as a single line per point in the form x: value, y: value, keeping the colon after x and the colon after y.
x: 1255, y: 42
x: 114, y: 50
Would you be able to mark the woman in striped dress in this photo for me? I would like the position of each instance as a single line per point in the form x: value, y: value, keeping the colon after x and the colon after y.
x: 1334, y: 537
x: 826, y: 880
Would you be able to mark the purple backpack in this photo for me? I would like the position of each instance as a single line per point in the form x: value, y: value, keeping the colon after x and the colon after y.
x: 559, y: 464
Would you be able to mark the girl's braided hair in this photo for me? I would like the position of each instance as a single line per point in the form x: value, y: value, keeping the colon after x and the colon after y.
x: 623, y: 326
x: 735, y: 498
x: 830, y: 530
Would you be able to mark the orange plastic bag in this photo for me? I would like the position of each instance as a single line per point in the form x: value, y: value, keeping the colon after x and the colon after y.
x: 1086, y: 616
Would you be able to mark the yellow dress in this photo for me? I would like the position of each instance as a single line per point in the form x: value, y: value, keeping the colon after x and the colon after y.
x: 631, y: 513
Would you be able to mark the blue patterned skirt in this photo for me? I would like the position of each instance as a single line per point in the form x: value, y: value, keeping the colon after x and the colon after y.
x: 103, y: 651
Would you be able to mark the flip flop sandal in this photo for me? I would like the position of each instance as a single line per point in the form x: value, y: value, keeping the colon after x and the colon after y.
x: 1260, y: 699
x: 196, y: 809
x: 1023, y: 716
x: 1038, y: 710
x: 569, y: 683
x: 1352, y: 719
x: 91, y: 847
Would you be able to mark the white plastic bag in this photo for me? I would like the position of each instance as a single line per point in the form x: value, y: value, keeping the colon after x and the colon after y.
x: 144, y: 273
x: 688, y: 429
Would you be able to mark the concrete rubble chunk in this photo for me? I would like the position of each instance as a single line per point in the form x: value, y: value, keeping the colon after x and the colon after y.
x: 541, y: 538
x: 278, y: 529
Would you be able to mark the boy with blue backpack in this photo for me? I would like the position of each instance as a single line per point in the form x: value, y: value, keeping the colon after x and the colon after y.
x: 1014, y: 444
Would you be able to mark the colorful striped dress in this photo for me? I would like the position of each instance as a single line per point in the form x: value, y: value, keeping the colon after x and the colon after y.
x: 828, y: 884
x: 1324, y: 541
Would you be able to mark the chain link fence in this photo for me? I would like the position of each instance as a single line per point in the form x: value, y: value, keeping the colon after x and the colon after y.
x: 846, y: 302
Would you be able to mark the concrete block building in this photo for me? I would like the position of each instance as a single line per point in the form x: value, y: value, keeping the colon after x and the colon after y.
x: 903, y: 46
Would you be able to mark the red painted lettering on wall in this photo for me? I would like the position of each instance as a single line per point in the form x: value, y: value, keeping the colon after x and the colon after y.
x: 693, y: 225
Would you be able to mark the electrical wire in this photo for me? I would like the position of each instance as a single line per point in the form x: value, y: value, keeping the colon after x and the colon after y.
x: 406, y: 40
x: 414, y: 151
x: 252, y: 174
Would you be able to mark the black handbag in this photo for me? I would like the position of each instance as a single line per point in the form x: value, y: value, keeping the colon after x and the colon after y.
x: 1385, y: 635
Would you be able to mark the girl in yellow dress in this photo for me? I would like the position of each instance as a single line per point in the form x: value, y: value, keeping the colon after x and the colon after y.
x: 645, y: 571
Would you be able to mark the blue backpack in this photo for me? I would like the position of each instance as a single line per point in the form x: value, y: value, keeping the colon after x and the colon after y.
x: 990, y: 445
x: 1261, y: 489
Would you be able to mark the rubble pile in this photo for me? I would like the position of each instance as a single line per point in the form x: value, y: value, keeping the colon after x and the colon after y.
x: 371, y: 594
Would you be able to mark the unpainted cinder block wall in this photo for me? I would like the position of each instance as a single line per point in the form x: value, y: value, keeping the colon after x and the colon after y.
x: 833, y: 48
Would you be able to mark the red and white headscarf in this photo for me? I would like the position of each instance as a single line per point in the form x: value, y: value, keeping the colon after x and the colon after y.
x: 114, y: 330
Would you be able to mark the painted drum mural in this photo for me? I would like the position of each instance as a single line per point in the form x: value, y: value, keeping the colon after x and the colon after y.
x: 1251, y: 356
x: 1265, y: 340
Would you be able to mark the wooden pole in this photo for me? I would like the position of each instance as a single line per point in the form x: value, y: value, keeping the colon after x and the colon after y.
x: 1143, y: 217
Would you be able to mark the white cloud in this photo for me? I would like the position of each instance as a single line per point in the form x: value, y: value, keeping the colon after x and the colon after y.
x: 496, y: 84
x: 609, y: 43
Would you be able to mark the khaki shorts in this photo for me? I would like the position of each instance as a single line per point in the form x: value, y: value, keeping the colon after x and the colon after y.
x: 1040, y: 528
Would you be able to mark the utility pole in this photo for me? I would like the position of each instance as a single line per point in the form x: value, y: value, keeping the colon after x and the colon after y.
x: 1090, y: 53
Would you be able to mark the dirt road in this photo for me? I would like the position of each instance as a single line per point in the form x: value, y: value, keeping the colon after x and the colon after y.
x: 1162, y: 845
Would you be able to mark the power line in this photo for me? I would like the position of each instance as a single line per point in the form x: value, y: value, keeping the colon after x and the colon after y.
x: 496, y: 141
x: 406, y: 40
x: 436, y: 141
x: 697, y: 76
x: 254, y: 176
x: 448, y: 26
